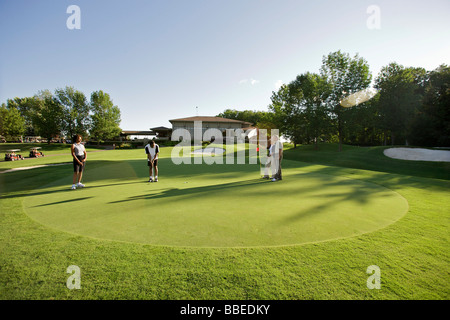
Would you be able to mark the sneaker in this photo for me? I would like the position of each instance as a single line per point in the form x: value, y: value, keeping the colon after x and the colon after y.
x: 156, y: 179
x: 80, y: 185
x: 150, y: 180
x: 266, y: 177
x: 273, y: 180
x: 74, y: 186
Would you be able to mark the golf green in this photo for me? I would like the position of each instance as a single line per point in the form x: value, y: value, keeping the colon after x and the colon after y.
x: 213, y: 205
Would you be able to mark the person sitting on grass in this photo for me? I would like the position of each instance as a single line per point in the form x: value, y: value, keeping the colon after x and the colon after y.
x: 152, y: 151
x: 79, y: 160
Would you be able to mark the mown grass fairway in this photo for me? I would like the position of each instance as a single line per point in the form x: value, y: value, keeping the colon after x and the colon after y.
x: 213, y: 232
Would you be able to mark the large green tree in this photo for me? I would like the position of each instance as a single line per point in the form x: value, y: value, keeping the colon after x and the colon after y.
x: 48, y: 116
x: 344, y: 75
x: 27, y: 107
x: 431, y: 123
x: 105, y: 119
x: 76, y: 119
x: 12, y: 124
x: 300, y: 108
x: 401, y: 92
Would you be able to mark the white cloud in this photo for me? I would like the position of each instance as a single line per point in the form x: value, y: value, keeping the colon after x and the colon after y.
x: 278, y: 84
x: 251, y: 81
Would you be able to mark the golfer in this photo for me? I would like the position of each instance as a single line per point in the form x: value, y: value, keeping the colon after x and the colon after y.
x: 277, y: 157
x: 79, y: 161
x: 152, y: 151
x: 268, y: 163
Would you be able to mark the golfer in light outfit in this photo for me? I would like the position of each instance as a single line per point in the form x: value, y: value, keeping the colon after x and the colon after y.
x: 79, y: 160
x: 152, y: 151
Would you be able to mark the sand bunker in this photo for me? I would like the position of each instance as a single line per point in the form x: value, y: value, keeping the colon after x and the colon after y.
x: 418, y: 154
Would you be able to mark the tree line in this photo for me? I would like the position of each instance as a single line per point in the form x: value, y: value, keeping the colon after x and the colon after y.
x: 411, y: 107
x: 65, y: 112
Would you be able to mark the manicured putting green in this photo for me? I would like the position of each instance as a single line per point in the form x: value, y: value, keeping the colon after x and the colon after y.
x: 213, y: 206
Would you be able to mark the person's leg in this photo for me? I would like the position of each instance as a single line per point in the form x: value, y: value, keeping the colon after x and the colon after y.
x: 75, y: 175
x: 278, y: 175
x: 150, y: 171
x: 274, y: 167
x: 80, y: 176
x: 266, y: 169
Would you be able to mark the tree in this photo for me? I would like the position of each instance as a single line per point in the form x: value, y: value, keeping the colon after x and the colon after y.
x: 11, y: 122
x: 76, y: 119
x: 245, y: 115
x: 287, y: 114
x: 26, y: 106
x: 431, y: 123
x: 105, y: 118
x: 311, y: 91
x: 401, y: 91
x: 344, y: 76
x: 48, y: 117
x: 301, y: 110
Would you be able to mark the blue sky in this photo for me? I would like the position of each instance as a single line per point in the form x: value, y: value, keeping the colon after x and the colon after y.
x: 159, y: 60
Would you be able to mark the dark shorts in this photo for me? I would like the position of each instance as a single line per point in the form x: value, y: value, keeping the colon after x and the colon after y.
x: 155, y: 163
x: 78, y: 167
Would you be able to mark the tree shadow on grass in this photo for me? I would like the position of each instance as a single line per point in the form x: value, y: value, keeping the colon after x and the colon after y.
x: 67, y: 190
x: 175, y: 192
x: 62, y: 202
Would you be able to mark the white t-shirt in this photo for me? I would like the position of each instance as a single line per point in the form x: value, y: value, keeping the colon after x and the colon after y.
x: 152, y: 151
x: 275, y: 148
x: 78, y: 149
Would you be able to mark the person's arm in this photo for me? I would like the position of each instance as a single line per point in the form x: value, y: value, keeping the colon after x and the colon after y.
x: 149, y: 156
x: 156, y: 152
x: 85, y: 156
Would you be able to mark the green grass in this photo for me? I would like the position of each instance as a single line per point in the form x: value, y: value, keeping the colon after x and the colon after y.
x: 413, y: 253
x: 213, y: 206
x: 53, y: 153
x: 367, y: 158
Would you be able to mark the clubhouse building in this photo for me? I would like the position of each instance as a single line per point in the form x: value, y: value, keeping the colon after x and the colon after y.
x: 221, y: 124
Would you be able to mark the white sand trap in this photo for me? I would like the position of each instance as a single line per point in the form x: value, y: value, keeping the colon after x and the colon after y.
x: 209, y: 151
x: 34, y: 167
x: 418, y: 154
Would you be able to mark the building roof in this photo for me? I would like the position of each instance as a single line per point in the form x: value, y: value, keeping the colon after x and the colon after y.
x: 161, y: 129
x: 138, y: 133
x: 209, y: 119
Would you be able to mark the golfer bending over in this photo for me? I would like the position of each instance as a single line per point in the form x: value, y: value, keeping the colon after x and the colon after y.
x: 152, y: 151
x: 79, y: 161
